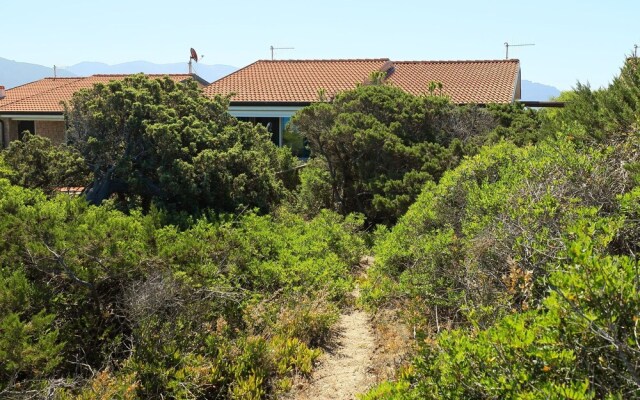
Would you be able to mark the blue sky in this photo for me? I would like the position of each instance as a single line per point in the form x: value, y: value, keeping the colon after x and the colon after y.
x: 584, y: 41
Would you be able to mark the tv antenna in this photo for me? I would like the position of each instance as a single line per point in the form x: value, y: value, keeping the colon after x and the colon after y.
x: 507, y: 45
x: 279, y: 48
x: 193, y: 57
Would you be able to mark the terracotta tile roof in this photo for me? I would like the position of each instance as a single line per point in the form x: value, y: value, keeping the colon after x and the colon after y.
x: 298, y: 81
x: 295, y: 81
x: 479, y: 82
x: 70, y: 190
x: 46, y: 95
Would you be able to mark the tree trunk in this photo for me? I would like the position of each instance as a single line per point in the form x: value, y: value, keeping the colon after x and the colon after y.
x: 103, y: 187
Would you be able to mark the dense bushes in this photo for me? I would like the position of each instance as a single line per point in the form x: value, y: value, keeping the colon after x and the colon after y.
x: 374, y: 147
x: 492, y: 225
x: 511, y: 250
x: 519, y: 269
x: 579, y: 343
x: 95, y: 301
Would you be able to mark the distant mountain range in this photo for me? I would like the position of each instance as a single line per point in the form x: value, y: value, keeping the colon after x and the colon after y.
x: 209, y: 73
x: 537, y: 91
x: 14, y: 73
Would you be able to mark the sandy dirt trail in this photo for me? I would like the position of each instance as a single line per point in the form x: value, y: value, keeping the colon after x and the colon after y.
x: 344, y: 369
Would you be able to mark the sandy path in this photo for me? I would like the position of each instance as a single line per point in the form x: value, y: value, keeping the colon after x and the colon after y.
x: 344, y: 370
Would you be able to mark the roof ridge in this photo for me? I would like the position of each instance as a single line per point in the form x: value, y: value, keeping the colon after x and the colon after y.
x: 301, y: 60
x: 511, y: 60
x: 46, y: 77
x: 46, y: 91
x: 136, y: 73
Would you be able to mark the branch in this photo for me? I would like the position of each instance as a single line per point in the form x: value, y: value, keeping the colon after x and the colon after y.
x: 59, y: 258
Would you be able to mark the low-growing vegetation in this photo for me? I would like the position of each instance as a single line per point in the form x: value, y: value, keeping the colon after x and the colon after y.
x: 95, y: 302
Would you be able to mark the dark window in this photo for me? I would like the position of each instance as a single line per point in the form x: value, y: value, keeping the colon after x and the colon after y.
x: 273, y: 126
x: 271, y: 123
x: 26, y: 126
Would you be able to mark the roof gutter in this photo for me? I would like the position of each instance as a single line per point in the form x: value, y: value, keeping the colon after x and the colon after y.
x: 30, y: 115
x: 271, y: 103
x: 542, y: 104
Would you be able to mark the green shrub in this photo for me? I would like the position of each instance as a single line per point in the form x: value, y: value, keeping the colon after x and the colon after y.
x: 580, y: 343
x: 119, y: 305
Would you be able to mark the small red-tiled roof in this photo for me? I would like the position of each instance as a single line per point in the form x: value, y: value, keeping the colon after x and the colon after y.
x: 46, y: 95
x: 293, y: 81
x: 482, y: 82
x: 298, y: 81
x: 70, y: 190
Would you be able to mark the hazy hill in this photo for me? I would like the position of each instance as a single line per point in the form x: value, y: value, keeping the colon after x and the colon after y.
x: 14, y: 73
x: 537, y: 91
x: 209, y: 73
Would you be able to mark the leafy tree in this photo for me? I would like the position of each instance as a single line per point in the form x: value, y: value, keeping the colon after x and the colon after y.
x: 37, y: 163
x: 164, y: 142
x: 30, y: 346
x: 605, y: 115
x: 379, y: 145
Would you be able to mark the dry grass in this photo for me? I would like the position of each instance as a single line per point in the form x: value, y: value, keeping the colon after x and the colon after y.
x: 394, y: 345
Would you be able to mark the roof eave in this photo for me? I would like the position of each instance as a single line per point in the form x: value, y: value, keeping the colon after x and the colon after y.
x: 271, y: 103
x: 517, y: 86
x: 33, y: 112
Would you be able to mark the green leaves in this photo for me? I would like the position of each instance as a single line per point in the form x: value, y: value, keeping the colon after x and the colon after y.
x: 157, y: 141
x: 235, y: 304
x: 519, y: 269
x: 376, y: 146
x: 37, y: 163
x: 29, y: 341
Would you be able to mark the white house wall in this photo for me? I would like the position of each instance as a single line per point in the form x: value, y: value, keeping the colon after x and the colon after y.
x: 263, y: 112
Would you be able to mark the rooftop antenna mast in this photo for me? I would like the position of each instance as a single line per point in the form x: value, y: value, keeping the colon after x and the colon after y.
x: 279, y: 48
x: 507, y: 45
x: 635, y: 51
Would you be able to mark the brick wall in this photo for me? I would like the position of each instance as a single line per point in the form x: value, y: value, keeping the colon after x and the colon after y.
x: 12, y: 132
x: 53, y: 130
